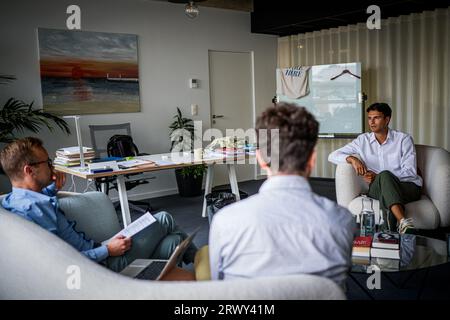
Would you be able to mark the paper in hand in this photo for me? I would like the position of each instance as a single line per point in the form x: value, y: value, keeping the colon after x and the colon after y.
x: 143, y: 222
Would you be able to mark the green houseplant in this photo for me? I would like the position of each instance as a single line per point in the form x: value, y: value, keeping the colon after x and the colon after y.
x: 19, y: 116
x: 189, y: 179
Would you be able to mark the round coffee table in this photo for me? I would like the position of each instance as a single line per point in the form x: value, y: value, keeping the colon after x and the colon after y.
x: 416, y: 253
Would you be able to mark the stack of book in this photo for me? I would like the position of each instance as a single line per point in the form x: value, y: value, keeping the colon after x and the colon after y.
x: 70, y: 156
x: 361, y: 246
x: 386, y: 245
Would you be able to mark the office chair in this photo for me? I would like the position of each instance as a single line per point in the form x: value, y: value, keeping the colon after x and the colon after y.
x: 100, y: 135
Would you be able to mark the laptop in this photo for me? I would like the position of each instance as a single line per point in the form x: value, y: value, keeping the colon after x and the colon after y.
x: 156, y: 269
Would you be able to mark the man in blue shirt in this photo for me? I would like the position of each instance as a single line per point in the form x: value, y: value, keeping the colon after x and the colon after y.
x: 33, y: 197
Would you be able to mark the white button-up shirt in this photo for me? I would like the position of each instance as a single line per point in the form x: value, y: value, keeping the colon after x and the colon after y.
x: 396, y: 154
x: 284, y: 229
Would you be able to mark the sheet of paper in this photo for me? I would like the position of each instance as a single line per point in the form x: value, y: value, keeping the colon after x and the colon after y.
x: 164, y: 162
x: 143, y: 222
x: 132, y: 163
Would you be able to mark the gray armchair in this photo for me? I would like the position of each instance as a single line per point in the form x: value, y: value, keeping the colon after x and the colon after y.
x: 433, y: 208
x: 38, y: 265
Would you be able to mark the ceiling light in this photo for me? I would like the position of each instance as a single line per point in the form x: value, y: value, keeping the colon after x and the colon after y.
x: 191, y: 10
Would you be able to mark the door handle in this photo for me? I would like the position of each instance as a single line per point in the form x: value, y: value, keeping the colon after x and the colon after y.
x: 217, y: 116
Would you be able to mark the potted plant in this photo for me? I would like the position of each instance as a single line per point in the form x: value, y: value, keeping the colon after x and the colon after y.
x: 189, y: 179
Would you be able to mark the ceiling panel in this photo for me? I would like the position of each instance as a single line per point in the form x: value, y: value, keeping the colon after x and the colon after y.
x: 283, y: 17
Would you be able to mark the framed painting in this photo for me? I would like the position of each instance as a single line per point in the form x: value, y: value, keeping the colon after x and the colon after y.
x: 85, y: 72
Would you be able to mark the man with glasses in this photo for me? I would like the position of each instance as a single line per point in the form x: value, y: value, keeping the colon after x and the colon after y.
x: 35, y: 185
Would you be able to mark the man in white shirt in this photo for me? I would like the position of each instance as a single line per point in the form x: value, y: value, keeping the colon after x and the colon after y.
x: 285, y: 228
x: 386, y: 159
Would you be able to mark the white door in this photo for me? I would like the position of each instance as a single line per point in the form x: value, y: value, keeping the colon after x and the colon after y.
x: 232, y: 102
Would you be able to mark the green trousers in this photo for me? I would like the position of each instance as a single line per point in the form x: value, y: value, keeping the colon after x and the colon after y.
x: 389, y: 190
x: 157, y: 241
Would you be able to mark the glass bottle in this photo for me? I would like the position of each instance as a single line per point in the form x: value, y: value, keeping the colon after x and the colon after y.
x: 367, y: 217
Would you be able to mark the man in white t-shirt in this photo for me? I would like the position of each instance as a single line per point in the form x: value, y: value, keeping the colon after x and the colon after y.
x: 386, y: 159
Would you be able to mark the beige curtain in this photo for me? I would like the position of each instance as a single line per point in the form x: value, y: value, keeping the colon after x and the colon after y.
x: 406, y: 64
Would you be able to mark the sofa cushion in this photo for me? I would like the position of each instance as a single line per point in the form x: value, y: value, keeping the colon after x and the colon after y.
x: 93, y: 213
x: 414, y: 210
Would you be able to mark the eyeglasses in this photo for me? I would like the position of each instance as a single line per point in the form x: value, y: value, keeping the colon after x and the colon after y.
x: 49, y: 162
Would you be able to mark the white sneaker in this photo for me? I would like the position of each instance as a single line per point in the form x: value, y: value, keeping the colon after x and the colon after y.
x: 404, y: 225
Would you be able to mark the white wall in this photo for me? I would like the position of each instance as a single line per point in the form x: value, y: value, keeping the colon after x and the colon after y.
x: 172, y: 49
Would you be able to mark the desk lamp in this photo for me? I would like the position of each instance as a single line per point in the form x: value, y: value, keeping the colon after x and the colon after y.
x: 80, y: 141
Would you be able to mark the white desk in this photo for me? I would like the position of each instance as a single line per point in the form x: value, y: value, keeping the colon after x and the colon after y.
x: 163, y: 162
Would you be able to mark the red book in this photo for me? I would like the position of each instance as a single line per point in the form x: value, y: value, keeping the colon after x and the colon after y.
x: 361, y: 246
x: 362, y: 242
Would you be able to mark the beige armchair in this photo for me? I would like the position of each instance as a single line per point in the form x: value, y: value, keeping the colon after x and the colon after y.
x: 433, y: 208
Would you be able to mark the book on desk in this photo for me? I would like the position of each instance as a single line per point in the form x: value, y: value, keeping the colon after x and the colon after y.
x: 70, y: 156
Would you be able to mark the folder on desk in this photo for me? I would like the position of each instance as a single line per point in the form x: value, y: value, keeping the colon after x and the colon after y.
x: 95, y: 166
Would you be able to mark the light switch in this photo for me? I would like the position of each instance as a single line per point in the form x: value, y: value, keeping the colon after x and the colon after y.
x: 193, y: 83
x: 194, y: 109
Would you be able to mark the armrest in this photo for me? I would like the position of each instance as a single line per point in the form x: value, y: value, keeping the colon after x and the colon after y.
x: 63, y: 194
x: 435, y: 165
x: 93, y: 213
x: 348, y: 184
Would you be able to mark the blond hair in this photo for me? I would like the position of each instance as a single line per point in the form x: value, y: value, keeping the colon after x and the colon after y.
x: 17, y: 154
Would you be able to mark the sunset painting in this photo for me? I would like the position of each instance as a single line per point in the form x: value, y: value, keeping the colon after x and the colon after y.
x: 88, y: 72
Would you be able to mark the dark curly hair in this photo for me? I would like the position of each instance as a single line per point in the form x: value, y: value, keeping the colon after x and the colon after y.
x: 297, y: 136
x: 380, y: 107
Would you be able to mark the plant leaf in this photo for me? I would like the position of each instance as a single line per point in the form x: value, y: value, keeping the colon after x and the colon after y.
x: 16, y: 115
